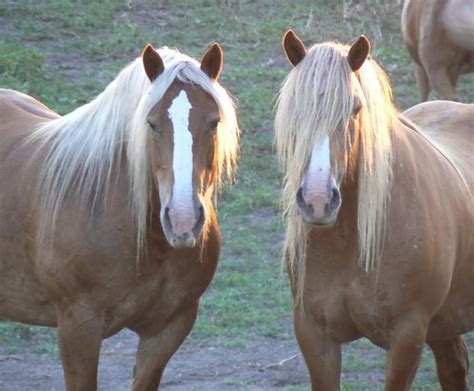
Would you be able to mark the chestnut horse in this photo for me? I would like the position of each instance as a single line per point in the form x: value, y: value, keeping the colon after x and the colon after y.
x: 379, y: 240
x: 439, y: 34
x: 110, y: 222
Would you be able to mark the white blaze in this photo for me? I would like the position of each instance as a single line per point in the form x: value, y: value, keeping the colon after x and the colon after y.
x: 182, y: 210
x: 317, y: 177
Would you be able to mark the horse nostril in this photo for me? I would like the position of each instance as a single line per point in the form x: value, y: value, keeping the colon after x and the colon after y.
x: 300, y: 199
x: 199, y: 220
x: 167, y: 221
x: 335, y: 198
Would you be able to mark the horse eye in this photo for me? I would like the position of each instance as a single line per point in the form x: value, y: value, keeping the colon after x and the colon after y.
x: 213, y: 125
x: 152, y: 126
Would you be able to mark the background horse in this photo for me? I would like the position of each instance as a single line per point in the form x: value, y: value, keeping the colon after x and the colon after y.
x: 439, y: 34
x: 109, y: 222
x: 380, y: 216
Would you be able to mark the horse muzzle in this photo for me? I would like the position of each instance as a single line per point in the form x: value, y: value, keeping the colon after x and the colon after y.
x: 183, y: 228
x: 319, y: 209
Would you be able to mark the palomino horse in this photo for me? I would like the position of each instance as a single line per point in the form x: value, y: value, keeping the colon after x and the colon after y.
x: 109, y: 222
x: 439, y: 34
x: 379, y: 241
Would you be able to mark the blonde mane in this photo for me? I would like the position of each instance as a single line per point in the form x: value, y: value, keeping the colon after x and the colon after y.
x: 318, y: 98
x: 86, y: 145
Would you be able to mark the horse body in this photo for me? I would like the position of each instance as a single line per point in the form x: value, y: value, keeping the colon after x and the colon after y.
x: 449, y: 127
x: 20, y: 292
x: 439, y: 36
x: 416, y: 240
x: 419, y: 288
x: 85, y: 270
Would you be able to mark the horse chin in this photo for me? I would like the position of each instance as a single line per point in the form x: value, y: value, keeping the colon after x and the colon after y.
x: 323, y: 223
x: 183, y: 241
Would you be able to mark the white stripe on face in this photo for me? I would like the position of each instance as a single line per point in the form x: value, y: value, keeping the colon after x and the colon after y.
x: 182, y: 204
x: 319, y: 170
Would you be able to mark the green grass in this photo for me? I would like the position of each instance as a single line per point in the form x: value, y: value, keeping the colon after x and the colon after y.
x: 64, y: 53
x: 15, y: 336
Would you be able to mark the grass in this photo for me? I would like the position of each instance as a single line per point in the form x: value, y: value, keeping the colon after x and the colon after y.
x: 15, y: 337
x: 64, y: 53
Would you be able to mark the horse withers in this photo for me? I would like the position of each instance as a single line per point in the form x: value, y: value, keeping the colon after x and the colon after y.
x: 439, y: 35
x: 380, y: 213
x: 109, y: 221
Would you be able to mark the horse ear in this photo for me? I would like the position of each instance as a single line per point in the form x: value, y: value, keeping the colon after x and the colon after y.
x: 212, y: 61
x: 358, y: 52
x: 152, y: 62
x: 293, y: 47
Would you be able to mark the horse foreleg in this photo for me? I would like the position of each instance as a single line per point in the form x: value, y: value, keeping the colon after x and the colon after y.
x: 404, y: 354
x: 155, y: 350
x: 321, y: 353
x: 452, y: 363
x: 80, y: 330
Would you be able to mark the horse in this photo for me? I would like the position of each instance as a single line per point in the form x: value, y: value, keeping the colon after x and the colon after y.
x: 380, y: 216
x: 439, y: 35
x: 110, y: 222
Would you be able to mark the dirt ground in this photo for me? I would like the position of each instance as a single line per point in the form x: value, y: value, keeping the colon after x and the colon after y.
x: 265, y: 364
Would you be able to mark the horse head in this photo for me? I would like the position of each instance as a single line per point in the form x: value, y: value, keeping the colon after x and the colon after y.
x: 183, y: 147
x: 327, y: 137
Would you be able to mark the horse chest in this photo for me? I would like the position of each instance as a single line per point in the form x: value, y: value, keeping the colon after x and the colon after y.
x: 166, y: 289
x: 328, y: 308
x: 345, y: 310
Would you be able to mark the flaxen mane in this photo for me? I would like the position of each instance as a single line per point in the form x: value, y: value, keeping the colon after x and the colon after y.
x: 317, y: 99
x: 86, y: 145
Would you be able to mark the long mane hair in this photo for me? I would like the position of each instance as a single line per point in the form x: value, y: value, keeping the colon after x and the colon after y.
x: 84, y: 147
x: 318, y: 98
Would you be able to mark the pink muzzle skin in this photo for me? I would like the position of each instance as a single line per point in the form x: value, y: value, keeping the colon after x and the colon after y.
x: 183, y: 219
x: 318, y: 202
x: 317, y: 194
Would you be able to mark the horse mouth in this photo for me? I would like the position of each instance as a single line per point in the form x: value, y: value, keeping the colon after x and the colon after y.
x: 324, y: 223
x: 183, y: 241
x: 319, y: 225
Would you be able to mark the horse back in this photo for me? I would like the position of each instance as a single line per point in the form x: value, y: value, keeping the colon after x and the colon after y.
x: 14, y: 104
x: 449, y: 126
x: 20, y: 115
